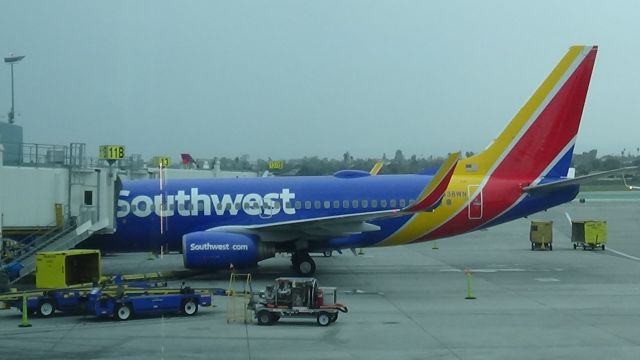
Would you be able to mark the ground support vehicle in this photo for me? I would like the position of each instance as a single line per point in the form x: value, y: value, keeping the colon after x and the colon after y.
x: 127, y: 304
x: 297, y: 297
x: 541, y: 235
x: 44, y: 303
x: 82, y: 299
x: 589, y: 234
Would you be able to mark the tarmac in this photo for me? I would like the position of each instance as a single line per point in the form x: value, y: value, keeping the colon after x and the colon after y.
x: 405, y: 302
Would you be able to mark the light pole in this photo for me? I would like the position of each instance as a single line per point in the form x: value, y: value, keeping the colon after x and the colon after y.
x: 12, y: 60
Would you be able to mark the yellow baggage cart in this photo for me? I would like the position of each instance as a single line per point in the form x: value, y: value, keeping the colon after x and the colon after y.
x: 541, y: 235
x: 589, y: 234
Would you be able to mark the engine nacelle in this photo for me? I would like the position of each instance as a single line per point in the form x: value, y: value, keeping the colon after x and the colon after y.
x: 216, y: 250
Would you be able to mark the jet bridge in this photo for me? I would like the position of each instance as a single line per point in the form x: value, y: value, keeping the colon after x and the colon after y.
x: 53, y: 207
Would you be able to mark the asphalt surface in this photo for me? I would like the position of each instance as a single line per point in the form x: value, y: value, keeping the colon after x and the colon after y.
x: 405, y: 302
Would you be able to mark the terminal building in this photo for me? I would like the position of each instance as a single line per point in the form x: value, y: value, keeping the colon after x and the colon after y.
x: 53, y: 197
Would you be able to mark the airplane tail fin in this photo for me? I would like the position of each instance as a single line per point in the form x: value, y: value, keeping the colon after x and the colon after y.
x: 539, y: 141
x: 187, y: 160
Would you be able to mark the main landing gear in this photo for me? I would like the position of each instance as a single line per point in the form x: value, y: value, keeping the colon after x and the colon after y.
x: 303, y: 264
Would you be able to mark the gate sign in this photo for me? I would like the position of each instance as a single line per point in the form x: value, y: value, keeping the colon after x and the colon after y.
x: 162, y: 161
x: 276, y: 164
x: 111, y: 152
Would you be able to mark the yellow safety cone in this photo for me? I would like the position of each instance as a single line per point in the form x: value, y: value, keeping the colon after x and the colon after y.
x: 469, y: 291
x: 25, y: 319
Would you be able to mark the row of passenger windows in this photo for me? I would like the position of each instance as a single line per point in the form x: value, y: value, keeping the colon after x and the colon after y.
x: 317, y: 204
x: 352, y: 204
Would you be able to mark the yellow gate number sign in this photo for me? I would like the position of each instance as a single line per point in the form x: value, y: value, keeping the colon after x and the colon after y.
x: 111, y: 152
x: 276, y: 165
x: 162, y: 161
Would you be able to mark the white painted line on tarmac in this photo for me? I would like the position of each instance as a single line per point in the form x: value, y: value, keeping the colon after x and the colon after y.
x: 483, y: 270
x: 622, y: 254
x: 547, y: 279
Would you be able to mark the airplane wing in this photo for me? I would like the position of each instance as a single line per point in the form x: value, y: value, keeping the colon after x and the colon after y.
x: 576, y: 181
x: 349, y: 224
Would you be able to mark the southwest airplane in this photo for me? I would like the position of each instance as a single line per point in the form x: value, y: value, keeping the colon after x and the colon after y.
x: 222, y: 222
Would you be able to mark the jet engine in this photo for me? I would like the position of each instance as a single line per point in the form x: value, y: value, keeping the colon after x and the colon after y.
x: 217, y: 250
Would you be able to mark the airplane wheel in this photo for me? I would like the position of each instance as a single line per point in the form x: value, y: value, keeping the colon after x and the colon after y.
x: 550, y: 247
x: 575, y: 246
x: 189, y: 307
x: 123, y: 312
x: 46, y: 308
x: 327, y: 253
x: 324, y: 319
x: 305, y: 266
x: 602, y: 246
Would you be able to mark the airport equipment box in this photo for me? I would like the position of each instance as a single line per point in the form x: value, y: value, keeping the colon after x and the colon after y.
x: 61, y: 269
x: 591, y: 232
x: 541, y: 232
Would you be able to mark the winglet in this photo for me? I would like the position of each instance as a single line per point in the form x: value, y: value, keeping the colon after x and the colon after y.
x: 432, y: 195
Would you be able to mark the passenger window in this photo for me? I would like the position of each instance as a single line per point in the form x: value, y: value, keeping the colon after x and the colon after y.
x: 219, y: 206
x: 374, y: 203
x: 345, y: 204
x: 317, y: 204
x: 392, y: 203
x: 238, y: 206
x: 354, y: 204
x: 298, y: 205
x: 307, y: 204
x: 327, y: 204
x: 276, y: 205
x: 180, y: 207
x: 383, y: 203
x: 402, y: 203
x: 200, y: 206
x: 336, y: 204
x: 365, y: 204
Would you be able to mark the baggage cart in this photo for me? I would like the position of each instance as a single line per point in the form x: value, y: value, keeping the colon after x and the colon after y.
x: 541, y: 235
x: 589, y: 234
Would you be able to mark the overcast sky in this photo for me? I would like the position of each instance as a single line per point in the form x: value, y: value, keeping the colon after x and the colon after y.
x: 285, y: 79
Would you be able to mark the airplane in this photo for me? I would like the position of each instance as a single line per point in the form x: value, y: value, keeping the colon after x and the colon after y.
x: 218, y: 223
x: 630, y: 187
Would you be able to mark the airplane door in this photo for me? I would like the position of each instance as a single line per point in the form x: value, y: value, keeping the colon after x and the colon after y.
x: 475, y: 205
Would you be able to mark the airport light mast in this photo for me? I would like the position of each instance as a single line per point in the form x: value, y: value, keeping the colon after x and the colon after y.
x: 12, y: 59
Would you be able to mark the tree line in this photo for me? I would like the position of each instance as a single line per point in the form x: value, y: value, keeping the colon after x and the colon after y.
x: 585, y: 163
